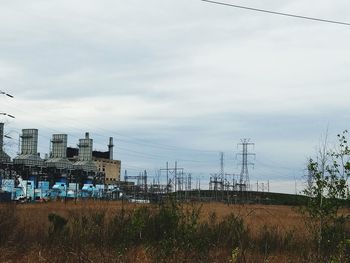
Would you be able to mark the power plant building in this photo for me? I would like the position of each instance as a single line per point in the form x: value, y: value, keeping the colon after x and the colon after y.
x: 63, y: 164
x: 105, y: 164
x: 103, y: 161
x: 85, y: 162
x: 29, y: 149
x: 58, y: 156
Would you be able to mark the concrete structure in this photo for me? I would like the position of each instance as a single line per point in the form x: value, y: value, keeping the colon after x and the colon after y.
x: 58, y: 156
x: 102, y: 160
x: 29, y: 142
x: 59, y: 146
x: 111, y: 169
x: 105, y: 164
x: 4, y: 158
x: 29, y: 149
x: 85, y: 148
x: 85, y: 162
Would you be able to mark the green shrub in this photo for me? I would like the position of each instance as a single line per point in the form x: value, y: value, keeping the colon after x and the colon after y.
x: 57, y: 230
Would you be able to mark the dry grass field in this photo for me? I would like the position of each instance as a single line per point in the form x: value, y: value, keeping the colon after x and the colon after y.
x: 102, y: 231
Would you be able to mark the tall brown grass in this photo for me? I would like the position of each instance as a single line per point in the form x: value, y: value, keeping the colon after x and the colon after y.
x: 101, y: 231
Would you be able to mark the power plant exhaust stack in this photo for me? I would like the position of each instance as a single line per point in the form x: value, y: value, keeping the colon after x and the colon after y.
x: 85, y: 155
x: 59, y: 146
x: 29, y: 142
x: 58, y: 156
x: 110, y: 148
x: 29, y: 149
x: 85, y: 148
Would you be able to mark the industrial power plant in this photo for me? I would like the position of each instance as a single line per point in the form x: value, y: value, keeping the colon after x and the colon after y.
x: 81, y: 173
x: 65, y: 173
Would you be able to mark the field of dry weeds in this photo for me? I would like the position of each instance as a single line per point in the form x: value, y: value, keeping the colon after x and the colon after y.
x: 101, y: 231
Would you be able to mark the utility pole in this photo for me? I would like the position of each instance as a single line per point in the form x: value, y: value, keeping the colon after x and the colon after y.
x: 222, y: 175
x: 199, y: 188
x: 217, y: 180
x: 167, y: 177
x: 189, y: 184
x: 174, y: 172
x: 4, y: 158
x: 175, y: 176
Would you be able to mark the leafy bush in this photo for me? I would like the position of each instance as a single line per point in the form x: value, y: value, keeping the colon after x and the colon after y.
x: 328, y: 191
x: 58, y: 231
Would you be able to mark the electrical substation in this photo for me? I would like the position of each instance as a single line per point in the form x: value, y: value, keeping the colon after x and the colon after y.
x: 81, y: 172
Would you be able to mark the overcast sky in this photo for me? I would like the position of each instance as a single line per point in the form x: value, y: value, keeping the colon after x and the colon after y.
x: 179, y: 80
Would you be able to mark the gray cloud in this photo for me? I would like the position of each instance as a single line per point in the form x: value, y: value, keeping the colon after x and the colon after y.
x: 180, y: 73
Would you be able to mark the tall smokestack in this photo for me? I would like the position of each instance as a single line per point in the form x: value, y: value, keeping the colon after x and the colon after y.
x: 110, y: 148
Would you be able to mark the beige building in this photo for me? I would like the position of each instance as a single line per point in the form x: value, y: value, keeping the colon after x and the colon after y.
x: 111, y: 169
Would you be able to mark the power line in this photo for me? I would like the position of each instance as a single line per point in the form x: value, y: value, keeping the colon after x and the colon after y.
x: 152, y: 144
x: 5, y: 93
x: 130, y: 152
x: 129, y: 139
x: 277, y: 13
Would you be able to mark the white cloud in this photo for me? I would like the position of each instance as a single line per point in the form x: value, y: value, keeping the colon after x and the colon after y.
x: 182, y: 73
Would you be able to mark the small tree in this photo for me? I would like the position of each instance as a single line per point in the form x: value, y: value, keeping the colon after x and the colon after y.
x: 328, y: 190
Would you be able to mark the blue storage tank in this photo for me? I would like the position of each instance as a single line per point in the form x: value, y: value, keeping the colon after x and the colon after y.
x: 29, y: 184
x: 33, y: 179
x: 43, y: 185
x: 44, y: 188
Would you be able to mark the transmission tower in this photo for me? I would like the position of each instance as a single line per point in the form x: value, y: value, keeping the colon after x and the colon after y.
x: 244, y: 183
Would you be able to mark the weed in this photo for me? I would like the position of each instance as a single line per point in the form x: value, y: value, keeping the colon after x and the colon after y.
x: 170, y: 232
x: 8, y: 221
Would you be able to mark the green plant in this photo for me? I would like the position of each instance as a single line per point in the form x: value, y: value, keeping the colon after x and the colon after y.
x: 328, y: 191
x: 234, y: 255
x: 57, y: 223
x: 57, y: 230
